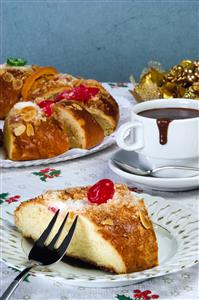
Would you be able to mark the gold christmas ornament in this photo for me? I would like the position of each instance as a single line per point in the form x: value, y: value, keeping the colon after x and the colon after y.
x: 181, y: 81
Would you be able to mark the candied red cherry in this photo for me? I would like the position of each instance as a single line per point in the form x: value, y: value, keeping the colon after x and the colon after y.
x: 101, y: 192
x: 84, y: 93
x: 46, y: 106
x: 48, y: 110
x: 45, y: 103
x: 79, y: 93
x: 64, y: 95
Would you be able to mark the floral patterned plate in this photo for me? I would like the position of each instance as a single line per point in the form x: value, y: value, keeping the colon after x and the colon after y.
x: 176, y: 230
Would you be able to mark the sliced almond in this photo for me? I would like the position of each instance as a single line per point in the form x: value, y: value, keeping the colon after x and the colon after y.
x: 19, y: 129
x: 78, y: 107
x: 28, y: 113
x: 30, y: 130
x: 7, y: 76
x: 107, y: 221
x: 144, y: 220
x: 17, y: 84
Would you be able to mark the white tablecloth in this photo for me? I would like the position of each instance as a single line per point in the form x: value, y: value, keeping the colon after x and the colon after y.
x: 83, y: 171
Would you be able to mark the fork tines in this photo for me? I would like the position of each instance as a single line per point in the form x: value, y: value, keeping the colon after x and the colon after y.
x: 40, y: 249
x: 40, y: 242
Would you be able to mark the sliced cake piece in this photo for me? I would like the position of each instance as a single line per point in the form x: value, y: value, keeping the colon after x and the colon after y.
x: 113, y: 232
x: 105, y: 113
x: 91, y: 95
x: 28, y: 134
x: 82, y: 129
x: 102, y: 106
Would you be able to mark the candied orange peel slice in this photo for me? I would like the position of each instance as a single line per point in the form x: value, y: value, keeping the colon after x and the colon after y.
x: 35, y: 76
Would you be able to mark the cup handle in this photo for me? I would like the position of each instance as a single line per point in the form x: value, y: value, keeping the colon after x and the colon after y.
x: 136, y: 140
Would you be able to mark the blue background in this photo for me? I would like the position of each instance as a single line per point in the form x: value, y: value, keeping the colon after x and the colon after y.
x: 106, y: 40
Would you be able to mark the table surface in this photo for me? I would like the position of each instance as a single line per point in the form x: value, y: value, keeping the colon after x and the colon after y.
x: 83, y: 171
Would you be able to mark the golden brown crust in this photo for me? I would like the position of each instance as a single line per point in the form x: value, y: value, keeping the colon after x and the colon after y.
x: 11, y: 82
x: 48, y: 87
x: 93, y: 133
x: 136, y: 244
x: 48, y: 141
x: 126, y: 233
x: 27, y: 136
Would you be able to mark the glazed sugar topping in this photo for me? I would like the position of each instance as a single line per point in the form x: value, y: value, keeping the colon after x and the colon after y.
x: 23, y: 104
x: 69, y: 205
x: 27, y: 111
x: 22, y: 68
x: 65, y: 79
x: 104, y: 195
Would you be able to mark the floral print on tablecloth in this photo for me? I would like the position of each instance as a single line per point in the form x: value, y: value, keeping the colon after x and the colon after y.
x: 6, y: 198
x: 139, y: 295
x: 47, y: 173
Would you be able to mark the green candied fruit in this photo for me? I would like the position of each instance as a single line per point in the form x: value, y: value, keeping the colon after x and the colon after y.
x: 17, y: 62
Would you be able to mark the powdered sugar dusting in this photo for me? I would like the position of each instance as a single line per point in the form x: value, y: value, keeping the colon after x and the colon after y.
x: 61, y: 200
x: 21, y: 68
x: 23, y: 104
x: 69, y: 205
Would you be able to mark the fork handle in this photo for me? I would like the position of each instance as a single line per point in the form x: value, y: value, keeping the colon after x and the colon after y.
x: 12, y: 287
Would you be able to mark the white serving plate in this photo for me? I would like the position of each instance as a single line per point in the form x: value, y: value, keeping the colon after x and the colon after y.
x: 155, y: 183
x: 177, y: 232
x: 69, y: 155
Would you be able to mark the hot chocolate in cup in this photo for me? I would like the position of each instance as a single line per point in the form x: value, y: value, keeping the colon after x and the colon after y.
x: 164, y: 132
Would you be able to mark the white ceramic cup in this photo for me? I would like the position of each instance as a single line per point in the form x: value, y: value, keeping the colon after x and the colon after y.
x: 182, y: 147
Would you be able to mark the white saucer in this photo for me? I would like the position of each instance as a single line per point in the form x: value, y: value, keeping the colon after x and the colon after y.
x: 161, y: 184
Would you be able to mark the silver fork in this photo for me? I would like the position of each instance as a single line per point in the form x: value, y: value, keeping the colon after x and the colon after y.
x: 42, y: 255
